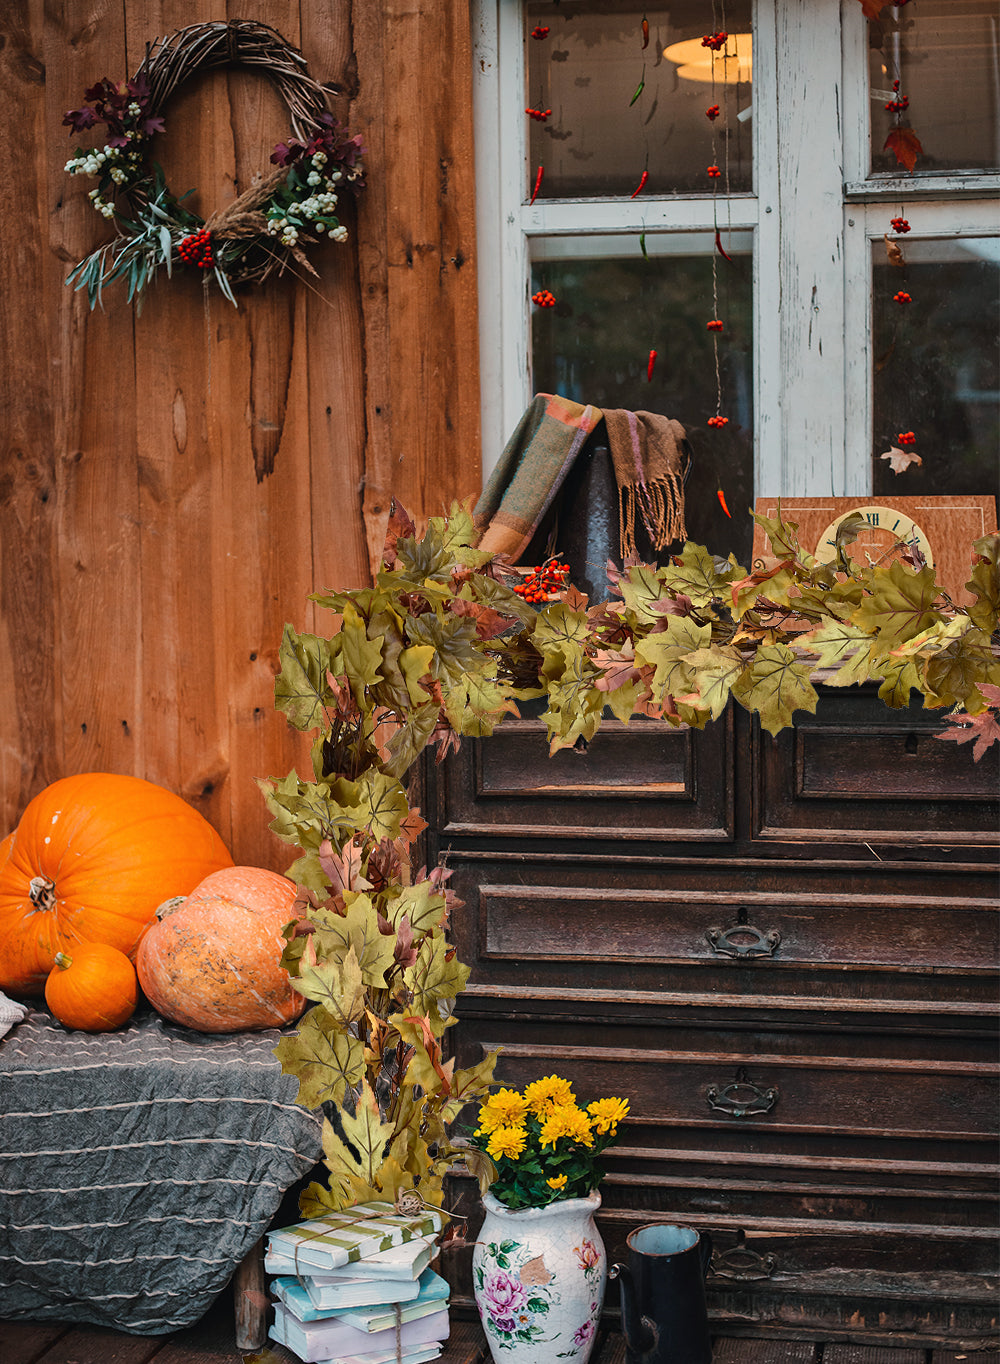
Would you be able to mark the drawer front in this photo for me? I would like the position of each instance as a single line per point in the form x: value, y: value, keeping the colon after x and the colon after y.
x: 540, y: 923
x: 641, y: 781
x: 757, y: 1091
x: 860, y: 771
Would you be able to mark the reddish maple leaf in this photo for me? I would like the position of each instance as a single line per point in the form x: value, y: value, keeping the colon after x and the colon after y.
x: 905, y: 146
x: 981, y: 730
x: 900, y: 460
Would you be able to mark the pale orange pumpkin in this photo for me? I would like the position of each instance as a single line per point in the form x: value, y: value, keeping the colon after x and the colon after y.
x: 91, y: 858
x: 212, y: 961
x: 94, y: 990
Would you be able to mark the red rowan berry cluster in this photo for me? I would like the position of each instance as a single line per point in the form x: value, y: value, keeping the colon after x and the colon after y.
x: 906, y: 438
x: 900, y: 225
x: 718, y: 421
x: 716, y: 41
x: 713, y: 172
x: 539, y: 115
x: 544, y: 582
x: 712, y: 112
x: 197, y: 250
x: 540, y: 32
x: 901, y: 102
x: 715, y: 325
x: 902, y: 297
x: 543, y: 299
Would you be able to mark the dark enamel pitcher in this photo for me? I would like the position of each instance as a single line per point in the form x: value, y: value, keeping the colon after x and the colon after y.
x: 664, y: 1316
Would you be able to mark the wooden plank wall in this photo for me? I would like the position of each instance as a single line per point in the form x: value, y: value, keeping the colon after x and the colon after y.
x: 174, y: 484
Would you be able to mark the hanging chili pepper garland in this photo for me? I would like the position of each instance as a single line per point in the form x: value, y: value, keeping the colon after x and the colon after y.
x: 716, y: 42
x: 722, y: 499
x: 642, y: 181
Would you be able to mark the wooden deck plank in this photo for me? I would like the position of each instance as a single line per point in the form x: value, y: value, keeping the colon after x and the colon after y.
x: 965, y: 1357
x: 24, y: 1342
x: 764, y: 1352
x: 872, y: 1354
x: 97, y: 1345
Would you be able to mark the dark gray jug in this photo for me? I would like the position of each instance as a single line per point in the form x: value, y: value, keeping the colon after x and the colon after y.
x: 664, y: 1316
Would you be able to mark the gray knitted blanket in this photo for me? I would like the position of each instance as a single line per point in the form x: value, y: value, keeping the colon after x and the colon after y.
x: 137, y: 1168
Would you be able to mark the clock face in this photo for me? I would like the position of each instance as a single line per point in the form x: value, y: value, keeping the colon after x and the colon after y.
x: 880, y: 540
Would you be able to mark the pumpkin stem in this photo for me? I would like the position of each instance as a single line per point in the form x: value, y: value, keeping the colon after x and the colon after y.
x: 42, y: 893
x: 63, y: 960
x: 169, y: 906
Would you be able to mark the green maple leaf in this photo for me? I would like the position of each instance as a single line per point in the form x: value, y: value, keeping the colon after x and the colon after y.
x: 640, y: 588
x: 952, y: 673
x: 358, y: 1157
x: 391, y: 690
x: 984, y: 583
x: 325, y: 1062
x: 667, y: 652
x: 456, y: 534
x: 382, y: 803
x: 469, y: 1084
x: 559, y: 628
x: 336, y: 984
x: 421, y: 904
x: 899, y: 678
x: 453, y: 639
x: 783, y: 536
x: 436, y: 975
x: 844, y: 647
x: 695, y: 573
x: 775, y: 685
x: 301, y: 689
x: 356, y: 931
x: 621, y: 701
x: 715, y: 670
x: 410, y: 740
x: 414, y: 663
x: 476, y: 703
x: 360, y: 656
x: 899, y: 606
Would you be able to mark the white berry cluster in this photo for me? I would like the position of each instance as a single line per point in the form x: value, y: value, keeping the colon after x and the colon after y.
x: 316, y: 210
x: 108, y: 161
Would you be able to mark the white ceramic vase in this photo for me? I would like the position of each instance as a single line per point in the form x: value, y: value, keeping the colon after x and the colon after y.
x: 539, y: 1276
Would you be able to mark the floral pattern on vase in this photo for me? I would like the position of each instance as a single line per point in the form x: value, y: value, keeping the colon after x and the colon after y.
x: 539, y: 1276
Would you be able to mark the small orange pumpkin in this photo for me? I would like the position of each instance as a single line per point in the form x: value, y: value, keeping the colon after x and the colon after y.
x: 212, y: 961
x: 91, y: 858
x: 94, y: 990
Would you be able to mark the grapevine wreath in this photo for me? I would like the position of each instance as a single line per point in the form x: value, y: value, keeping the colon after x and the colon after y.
x: 262, y: 230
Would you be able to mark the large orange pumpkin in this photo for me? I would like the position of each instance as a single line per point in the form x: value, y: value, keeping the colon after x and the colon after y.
x: 91, y: 858
x: 212, y: 962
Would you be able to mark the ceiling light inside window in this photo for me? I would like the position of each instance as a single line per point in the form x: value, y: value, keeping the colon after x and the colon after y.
x: 732, y: 65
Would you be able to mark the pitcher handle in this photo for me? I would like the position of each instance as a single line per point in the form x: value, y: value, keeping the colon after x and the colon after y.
x: 705, y: 1252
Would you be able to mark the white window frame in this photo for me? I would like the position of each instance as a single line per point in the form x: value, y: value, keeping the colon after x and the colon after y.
x: 813, y: 212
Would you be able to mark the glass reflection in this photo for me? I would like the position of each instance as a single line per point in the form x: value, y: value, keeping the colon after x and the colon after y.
x: 586, y: 69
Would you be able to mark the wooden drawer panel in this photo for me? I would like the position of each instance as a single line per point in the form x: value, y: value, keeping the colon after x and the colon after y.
x: 758, y: 1090
x: 535, y: 923
x: 856, y: 769
x: 643, y: 780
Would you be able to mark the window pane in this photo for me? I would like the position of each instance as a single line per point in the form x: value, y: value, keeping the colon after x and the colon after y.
x: 946, y: 57
x: 611, y: 310
x: 937, y: 366
x: 587, y: 69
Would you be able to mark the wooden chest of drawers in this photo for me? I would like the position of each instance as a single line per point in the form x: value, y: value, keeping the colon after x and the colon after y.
x: 784, y: 954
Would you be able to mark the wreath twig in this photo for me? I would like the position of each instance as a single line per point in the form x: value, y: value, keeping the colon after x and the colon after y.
x: 264, y: 228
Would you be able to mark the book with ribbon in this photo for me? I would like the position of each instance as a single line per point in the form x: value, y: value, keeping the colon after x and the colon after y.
x: 356, y: 1233
x: 430, y: 1294
x: 332, y: 1339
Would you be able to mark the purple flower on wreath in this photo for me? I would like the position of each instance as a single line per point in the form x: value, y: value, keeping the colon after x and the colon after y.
x: 503, y: 1298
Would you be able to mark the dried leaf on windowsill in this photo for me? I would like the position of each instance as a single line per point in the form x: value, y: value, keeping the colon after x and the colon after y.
x: 900, y: 460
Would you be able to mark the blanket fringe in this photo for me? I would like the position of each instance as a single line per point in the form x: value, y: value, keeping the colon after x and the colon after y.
x: 660, y: 506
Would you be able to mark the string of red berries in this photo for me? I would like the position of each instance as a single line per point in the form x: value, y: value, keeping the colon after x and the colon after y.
x: 906, y: 438
x: 899, y: 103
x: 715, y: 41
x: 712, y: 112
x: 543, y: 299
x: 197, y: 249
x: 718, y: 421
x: 712, y: 172
x: 539, y: 115
x: 540, y: 32
x: 900, y: 225
x: 544, y: 582
x: 715, y: 325
x: 902, y: 297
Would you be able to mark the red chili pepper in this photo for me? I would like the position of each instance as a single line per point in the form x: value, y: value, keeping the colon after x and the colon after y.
x: 649, y: 366
x: 645, y: 33
x: 642, y: 180
x: 722, y: 503
x: 538, y: 185
x: 719, y: 248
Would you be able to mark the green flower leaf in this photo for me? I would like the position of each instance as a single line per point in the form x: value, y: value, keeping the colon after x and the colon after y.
x: 667, y: 652
x: 335, y: 983
x: 326, y: 1064
x: 899, y: 606
x: 301, y: 690
x: 775, y: 685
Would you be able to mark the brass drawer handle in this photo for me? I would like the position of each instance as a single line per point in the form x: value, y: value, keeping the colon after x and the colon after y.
x: 741, y: 1264
x: 743, y: 940
x: 741, y: 1098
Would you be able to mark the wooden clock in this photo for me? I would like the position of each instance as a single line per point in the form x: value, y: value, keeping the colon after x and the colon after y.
x: 943, y: 528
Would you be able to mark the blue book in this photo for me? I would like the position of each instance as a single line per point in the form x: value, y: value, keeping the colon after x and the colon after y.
x: 432, y: 1297
x: 296, y: 1297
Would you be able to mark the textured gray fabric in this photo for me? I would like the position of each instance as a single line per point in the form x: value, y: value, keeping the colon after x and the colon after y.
x: 138, y: 1167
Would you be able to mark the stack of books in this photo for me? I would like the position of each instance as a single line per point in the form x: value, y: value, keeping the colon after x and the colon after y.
x: 356, y: 1287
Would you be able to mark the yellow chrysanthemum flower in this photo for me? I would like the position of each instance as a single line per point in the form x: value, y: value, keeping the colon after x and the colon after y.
x: 542, y: 1095
x: 557, y: 1182
x: 506, y: 1141
x: 566, y: 1120
x: 506, y: 1108
x: 606, y: 1114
